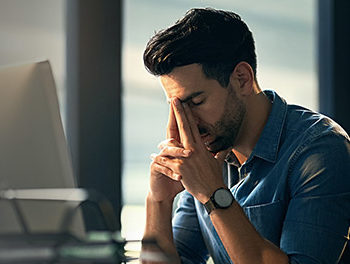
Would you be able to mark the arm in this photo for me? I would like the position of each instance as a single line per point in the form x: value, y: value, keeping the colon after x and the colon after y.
x: 201, y: 176
x: 316, y: 226
x: 164, y: 186
x: 158, y: 224
x: 242, y: 242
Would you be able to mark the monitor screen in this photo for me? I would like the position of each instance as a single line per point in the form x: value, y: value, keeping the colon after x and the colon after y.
x: 33, y: 149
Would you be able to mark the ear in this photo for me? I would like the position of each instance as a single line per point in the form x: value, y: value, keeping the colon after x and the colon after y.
x: 243, y: 75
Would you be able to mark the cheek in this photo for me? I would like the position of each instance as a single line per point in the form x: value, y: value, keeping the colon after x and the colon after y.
x: 208, y: 115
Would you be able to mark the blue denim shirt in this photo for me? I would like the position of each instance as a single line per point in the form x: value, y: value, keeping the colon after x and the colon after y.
x: 294, y: 188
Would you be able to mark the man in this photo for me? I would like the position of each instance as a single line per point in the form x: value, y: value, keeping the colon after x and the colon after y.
x: 262, y: 181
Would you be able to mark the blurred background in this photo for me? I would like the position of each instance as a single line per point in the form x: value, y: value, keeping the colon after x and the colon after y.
x: 114, y: 113
x: 285, y: 36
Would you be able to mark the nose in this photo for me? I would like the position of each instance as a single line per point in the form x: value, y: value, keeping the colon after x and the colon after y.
x: 199, y: 123
x: 195, y: 117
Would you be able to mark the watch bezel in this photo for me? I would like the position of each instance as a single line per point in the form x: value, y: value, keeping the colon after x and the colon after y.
x: 227, y: 200
x: 212, y: 204
x: 216, y: 199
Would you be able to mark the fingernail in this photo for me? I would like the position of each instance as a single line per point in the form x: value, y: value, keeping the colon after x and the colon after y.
x: 152, y: 156
x: 177, y: 176
x: 176, y: 101
x: 187, y: 152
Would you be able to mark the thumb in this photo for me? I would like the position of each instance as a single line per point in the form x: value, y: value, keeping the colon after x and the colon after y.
x: 221, y: 155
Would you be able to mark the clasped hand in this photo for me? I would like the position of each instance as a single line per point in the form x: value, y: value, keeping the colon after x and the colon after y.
x: 184, y: 161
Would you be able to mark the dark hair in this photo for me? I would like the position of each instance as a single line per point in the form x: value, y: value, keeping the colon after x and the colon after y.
x: 216, y: 39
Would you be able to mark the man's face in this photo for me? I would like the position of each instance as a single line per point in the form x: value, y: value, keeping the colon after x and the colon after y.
x: 217, y: 110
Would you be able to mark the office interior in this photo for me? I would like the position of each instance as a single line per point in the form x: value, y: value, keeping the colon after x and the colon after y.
x: 85, y: 40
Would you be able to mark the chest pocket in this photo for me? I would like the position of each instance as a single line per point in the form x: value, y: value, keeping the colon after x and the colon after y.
x: 267, y: 219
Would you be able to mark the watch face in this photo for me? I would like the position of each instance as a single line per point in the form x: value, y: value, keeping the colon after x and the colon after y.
x: 223, y: 197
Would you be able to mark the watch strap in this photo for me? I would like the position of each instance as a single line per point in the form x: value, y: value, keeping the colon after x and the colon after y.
x: 210, y: 205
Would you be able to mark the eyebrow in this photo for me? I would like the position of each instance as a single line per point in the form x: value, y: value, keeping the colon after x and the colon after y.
x: 188, y: 98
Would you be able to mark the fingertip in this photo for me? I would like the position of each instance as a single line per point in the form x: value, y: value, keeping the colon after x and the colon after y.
x: 221, y: 156
x: 153, y: 156
x: 176, y: 101
x: 177, y: 177
x: 187, y: 152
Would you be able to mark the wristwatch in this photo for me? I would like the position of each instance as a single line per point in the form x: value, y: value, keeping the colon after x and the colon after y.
x: 222, y: 198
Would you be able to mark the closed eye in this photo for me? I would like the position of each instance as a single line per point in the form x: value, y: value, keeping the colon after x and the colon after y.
x: 197, y: 103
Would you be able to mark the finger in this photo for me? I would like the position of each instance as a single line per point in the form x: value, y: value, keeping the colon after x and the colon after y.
x: 221, y: 155
x: 192, y: 123
x: 175, y: 152
x: 161, y: 169
x: 169, y: 142
x: 171, y: 163
x: 172, y: 130
x: 182, y: 124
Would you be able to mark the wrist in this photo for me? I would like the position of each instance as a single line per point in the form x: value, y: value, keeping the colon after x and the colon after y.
x: 152, y: 199
x: 222, y: 198
x: 205, y: 196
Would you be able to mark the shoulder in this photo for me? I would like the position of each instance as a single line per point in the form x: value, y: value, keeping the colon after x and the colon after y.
x: 308, y: 125
x: 319, y: 161
x: 308, y: 131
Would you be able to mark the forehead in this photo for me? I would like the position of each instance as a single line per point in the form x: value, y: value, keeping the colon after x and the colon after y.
x: 184, y: 81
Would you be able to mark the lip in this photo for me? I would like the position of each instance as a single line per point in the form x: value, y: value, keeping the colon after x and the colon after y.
x: 207, y: 139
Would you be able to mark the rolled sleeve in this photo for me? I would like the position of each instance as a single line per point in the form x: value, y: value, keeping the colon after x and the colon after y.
x: 316, y: 227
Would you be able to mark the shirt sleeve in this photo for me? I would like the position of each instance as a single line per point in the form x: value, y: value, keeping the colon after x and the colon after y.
x: 187, y: 234
x: 316, y: 227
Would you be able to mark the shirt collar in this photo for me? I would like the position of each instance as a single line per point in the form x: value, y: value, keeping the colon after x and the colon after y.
x: 269, y: 140
x: 232, y: 159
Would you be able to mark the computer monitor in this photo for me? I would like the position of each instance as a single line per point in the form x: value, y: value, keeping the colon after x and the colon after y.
x: 33, y: 148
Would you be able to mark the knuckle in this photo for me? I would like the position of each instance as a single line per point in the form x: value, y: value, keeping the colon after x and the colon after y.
x: 155, y: 166
x: 163, y: 151
x: 166, y: 171
x: 180, y: 162
x: 160, y: 145
x: 173, y: 143
x: 155, y: 158
x: 179, y: 152
x: 171, y: 140
x: 168, y: 149
x: 191, y: 147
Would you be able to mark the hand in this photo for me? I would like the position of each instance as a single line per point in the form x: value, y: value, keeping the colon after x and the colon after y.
x: 164, y: 183
x: 201, y: 173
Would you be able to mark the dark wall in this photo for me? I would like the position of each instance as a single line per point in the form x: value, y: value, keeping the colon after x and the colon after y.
x: 94, y: 97
x: 333, y: 60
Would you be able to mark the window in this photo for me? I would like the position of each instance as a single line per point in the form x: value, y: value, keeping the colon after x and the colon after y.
x: 285, y: 42
x: 34, y: 31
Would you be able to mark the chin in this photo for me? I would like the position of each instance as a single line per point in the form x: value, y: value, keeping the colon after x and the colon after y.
x: 217, y: 146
